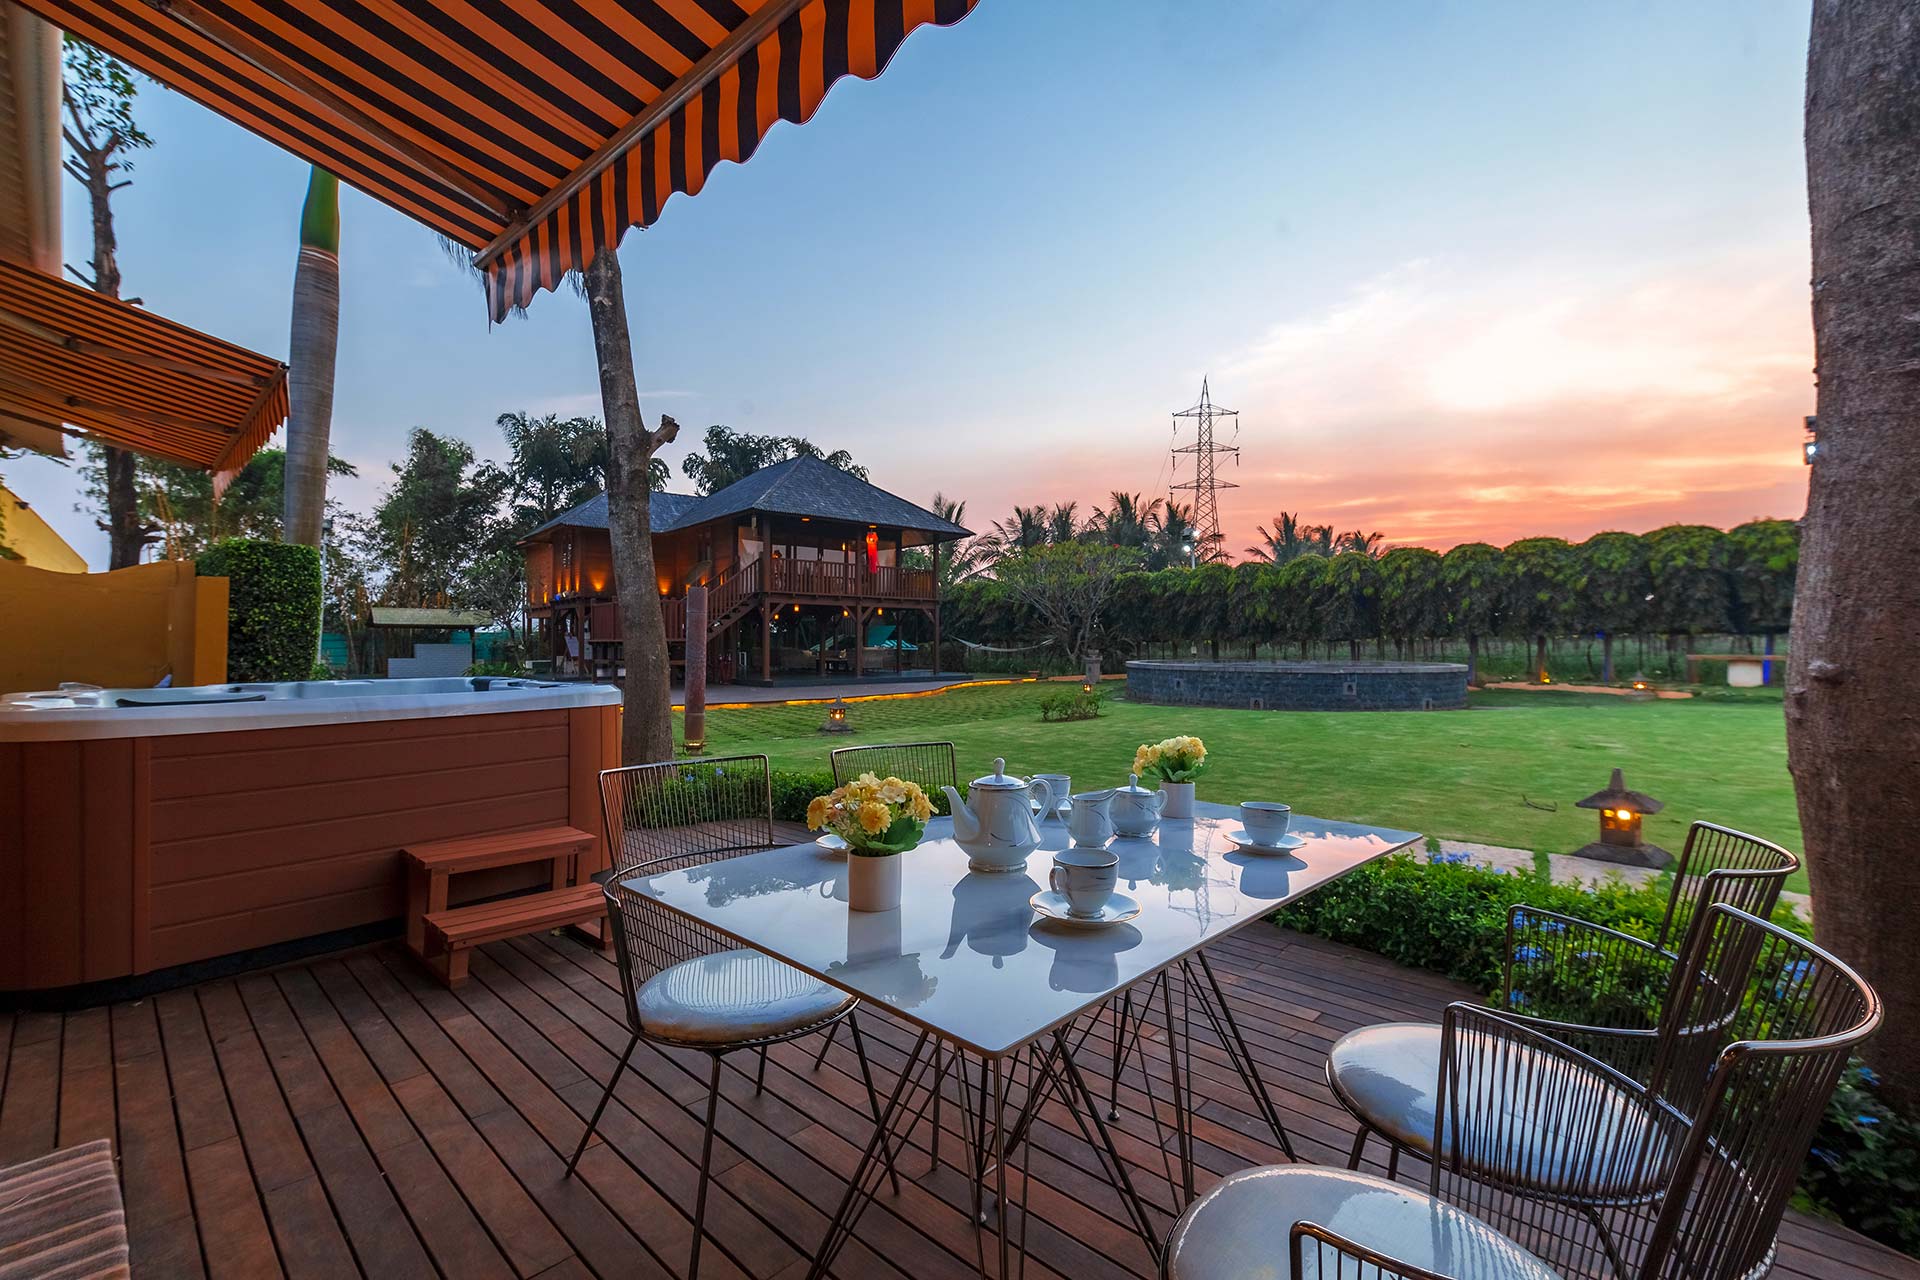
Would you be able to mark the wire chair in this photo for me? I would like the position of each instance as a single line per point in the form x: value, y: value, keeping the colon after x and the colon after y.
x: 1605, y: 990
x: 1318, y: 1254
x: 1249, y: 1220
x: 930, y: 764
x: 1683, y: 1176
x: 683, y: 985
x: 1595, y: 989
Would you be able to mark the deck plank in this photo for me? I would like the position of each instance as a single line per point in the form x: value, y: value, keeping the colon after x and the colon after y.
x: 348, y: 1116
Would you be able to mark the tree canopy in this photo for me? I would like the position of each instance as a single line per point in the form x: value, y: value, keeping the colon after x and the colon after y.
x: 731, y: 455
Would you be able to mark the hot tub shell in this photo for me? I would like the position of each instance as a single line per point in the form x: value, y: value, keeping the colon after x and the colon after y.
x: 1301, y: 686
x: 137, y: 839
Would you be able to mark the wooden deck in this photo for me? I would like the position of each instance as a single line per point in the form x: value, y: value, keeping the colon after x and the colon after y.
x: 347, y: 1116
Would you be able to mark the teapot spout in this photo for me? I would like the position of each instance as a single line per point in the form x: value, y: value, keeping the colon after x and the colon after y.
x: 965, y: 825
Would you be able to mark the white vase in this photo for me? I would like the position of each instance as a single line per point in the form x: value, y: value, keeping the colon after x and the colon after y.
x: 873, y: 883
x: 1179, y: 803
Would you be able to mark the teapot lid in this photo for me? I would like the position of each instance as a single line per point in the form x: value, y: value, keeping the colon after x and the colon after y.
x: 998, y: 780
x: 1133, y: 787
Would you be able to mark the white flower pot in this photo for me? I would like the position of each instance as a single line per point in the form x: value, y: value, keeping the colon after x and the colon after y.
x: 1179, y: 803
x: 873, y: 884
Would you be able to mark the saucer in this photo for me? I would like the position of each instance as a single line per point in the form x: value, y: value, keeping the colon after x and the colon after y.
x: 1247, y: 844
x: 1059, y: 811
x: 831, y: 842
x: 1053, y: 906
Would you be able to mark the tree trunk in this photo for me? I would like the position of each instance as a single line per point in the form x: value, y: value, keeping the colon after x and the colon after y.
x: 1540, y: 659
x: 310, y: 361
x: 646, y: 731
x: 127, y: 536
x: 1473, y: 660
x: 1853, y: 734
x: 1606, y: 658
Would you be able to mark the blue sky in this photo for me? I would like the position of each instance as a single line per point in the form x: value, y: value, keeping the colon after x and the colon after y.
x: 1467, y: 269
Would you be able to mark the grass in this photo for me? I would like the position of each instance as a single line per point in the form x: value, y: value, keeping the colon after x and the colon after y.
x: 1465, y: 775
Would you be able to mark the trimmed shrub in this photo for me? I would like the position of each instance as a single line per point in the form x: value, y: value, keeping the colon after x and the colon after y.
x: 273, y: 616
x: 1865, y: 1165
x: 1071, y: 704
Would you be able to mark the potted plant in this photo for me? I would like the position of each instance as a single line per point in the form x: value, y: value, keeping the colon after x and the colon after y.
x: 1176, y: 762
x: 880, y: 819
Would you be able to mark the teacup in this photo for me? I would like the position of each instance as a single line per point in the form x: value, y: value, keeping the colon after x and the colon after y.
x: 1085, y: 878
x: 1265, y: 820
x: 1059, y: 786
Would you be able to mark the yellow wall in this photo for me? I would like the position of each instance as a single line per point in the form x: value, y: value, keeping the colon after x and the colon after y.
x: 125, y: 629
x: 33, y: 539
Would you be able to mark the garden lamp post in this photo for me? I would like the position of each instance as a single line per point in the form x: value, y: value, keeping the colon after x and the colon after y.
x: 1621, y: 813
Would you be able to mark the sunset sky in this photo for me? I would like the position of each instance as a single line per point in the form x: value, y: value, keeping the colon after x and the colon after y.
x: 1467, y: 270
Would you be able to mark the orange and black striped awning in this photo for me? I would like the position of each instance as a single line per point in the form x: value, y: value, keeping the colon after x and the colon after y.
x: 77, y: 360
x: 534, y: 132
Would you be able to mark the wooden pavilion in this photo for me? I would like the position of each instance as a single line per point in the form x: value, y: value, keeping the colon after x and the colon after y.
x: 809, y: 570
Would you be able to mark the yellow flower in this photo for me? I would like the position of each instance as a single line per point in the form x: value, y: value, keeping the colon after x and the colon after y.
x: 875, y: 817
x: 817, y: 809
x: 919, y: 806
x: 893, y: 791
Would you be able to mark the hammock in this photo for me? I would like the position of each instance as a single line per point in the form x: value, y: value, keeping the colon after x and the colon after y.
x: 989, y: 648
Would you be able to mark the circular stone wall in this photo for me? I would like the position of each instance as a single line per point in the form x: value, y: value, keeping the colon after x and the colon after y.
x: 1301, y: 686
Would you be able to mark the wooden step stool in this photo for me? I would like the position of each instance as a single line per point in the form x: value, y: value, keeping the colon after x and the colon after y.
x: 430, y: 866
x: 455, y: 932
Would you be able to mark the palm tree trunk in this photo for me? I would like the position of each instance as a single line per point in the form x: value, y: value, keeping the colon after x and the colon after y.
x: 310, y: 361
x: 1853, y: 741
x: 647, y: 727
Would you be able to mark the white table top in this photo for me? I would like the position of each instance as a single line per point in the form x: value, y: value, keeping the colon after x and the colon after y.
x: 964, y: 955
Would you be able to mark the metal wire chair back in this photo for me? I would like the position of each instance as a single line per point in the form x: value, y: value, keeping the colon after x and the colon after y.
x: 1319, y: 1254
x: 671, y: 816
x: 1756, y: 1097
x: 1685, y: 1172
x: 1719, y: 864
x: 931, y: 765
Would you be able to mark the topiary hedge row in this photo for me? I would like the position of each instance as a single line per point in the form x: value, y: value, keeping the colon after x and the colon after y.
x: 273, y: 612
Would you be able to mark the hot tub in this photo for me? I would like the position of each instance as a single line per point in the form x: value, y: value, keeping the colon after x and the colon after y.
x: 143, y: 829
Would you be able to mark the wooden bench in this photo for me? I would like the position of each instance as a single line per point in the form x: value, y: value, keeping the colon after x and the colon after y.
x: 429, y: 866
x: 458, y: 930
x: 62, y: 1214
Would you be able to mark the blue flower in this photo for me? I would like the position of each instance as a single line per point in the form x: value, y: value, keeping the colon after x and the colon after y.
x: 1521, y: 920
x: 1528, y: 955
x: 1516, y: 998
x: 1587, y: 955
x: 1866, y: 1120
x: 719, y: 772
x: 1553, y: 926
x: 1870, y: 1076
x: 1825, y: 1156
x: 1450, y: 859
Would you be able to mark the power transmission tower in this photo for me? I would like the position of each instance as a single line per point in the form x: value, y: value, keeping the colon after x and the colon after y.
x: 1205, y: 485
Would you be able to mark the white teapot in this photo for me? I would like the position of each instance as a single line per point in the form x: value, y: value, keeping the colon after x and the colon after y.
x: 995, y: 823
x: 1136, y: 810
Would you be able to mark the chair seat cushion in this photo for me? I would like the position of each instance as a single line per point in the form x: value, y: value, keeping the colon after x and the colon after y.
x: 1240, y: 1229
x: 733, y: 996
x: 1599, y: 1141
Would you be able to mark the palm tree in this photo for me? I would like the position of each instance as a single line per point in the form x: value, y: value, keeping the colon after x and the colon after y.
x: 1024, y: 529
x: 1173, y: 534
x: 1289, y: 540
x: 1063, y: 522
x: 1127, y: 522
x: 310, y: 359
x: 965, y: 558
x: 1366, y: 544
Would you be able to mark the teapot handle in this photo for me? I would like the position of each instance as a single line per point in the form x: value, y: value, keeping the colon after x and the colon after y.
x: 1160, y: 798
x: 1046, y: 790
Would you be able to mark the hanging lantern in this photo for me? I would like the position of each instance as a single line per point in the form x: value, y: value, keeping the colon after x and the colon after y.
x: 873, y: 552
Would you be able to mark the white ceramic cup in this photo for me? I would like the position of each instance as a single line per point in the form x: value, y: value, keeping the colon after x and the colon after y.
x: 1265, y: 820
x: 1059, y: 787
x: 1085, y: 878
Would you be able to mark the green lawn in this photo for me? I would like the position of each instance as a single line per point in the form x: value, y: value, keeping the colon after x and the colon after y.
x: 1464, y: 775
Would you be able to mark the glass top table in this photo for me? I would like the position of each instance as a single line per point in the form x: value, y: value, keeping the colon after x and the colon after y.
x: 966, y: 957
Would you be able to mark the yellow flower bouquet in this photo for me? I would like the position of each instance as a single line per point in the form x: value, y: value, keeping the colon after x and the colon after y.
x: 1173, y: 760
x: 875, y: 816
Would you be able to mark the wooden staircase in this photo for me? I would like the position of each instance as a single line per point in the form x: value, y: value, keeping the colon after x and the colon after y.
x: 443, y: 935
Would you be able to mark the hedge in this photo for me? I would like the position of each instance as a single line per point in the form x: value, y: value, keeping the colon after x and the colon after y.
x: 273, y: 612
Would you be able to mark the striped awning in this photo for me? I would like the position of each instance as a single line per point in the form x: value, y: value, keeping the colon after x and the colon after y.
x: 534, y: 132
x: 120, y: 375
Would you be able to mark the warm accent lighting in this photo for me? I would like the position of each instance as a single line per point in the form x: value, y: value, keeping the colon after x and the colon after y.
x: 1621, y: 812
x: 836, y: 721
